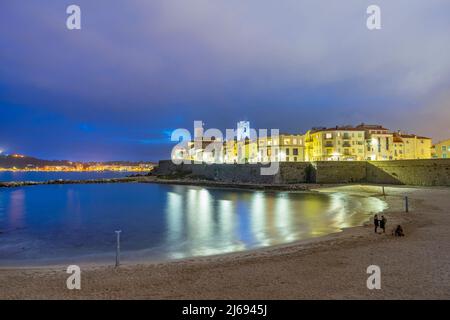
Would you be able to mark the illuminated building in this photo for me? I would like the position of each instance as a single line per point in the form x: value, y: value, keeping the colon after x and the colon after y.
x: 441, y: 150
x: 334, y: 144
x: 410, y: 146
x: 340, y: 143
x: 379, y: 142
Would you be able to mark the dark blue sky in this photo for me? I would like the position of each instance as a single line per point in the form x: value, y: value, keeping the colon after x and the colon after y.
x: 139, y: 69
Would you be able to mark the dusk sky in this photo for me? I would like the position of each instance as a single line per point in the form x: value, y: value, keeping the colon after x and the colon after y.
x: 137, y: 70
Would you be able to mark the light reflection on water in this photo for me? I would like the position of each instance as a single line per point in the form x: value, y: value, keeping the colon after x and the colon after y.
x: 164, y: 222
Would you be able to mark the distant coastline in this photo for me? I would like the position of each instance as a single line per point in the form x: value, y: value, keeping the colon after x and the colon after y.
x: 19, y: 163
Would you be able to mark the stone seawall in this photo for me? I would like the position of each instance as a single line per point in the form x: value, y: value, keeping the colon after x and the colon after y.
x: 339, y: 172
x: 431, y: 172
x: 244, y: 173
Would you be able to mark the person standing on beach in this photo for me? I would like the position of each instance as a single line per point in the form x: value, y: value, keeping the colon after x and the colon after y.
x: 376, y: 222
x: 383, y: 223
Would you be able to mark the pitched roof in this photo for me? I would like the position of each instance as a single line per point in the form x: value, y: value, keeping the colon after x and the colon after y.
x: 413, y: 136
x: 371, y: 126
x: 337, y: 128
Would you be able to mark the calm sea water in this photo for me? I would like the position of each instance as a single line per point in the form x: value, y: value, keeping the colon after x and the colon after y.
x: 76, y: 223
x: 7, y: 176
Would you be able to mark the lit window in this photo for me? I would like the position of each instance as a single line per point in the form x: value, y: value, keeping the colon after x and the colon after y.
x: 328, y: 136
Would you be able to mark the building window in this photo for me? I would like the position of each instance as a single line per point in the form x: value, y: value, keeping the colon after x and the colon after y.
x: 444, y: 148
x: 387, y: 143
x: 287, y: 151
x: 328, y: 135
x: 295, y: 152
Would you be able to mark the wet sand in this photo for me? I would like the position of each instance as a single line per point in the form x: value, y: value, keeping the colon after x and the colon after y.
x: 331, y: 267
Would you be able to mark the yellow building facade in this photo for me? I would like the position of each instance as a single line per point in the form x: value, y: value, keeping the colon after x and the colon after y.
x: 285, y: 148
x: 334, y: 144
x: 409, y: 146
x: 441, y: 150
x: 345, y: 143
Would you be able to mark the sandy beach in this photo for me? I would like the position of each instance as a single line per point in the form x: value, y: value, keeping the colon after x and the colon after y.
x: 416, y: 266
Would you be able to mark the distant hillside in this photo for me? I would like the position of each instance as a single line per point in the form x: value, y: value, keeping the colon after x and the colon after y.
x: 10, y: 161
x: 21, y: 162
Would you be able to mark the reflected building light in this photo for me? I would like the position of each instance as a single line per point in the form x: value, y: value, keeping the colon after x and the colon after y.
x: 205, y: 224
x: 258, y: 214
x: 283, y: 217
x: 191, y: 214
x: 226, y: 220
x: 174, y: 216
x: 199, y: 220
x: 339, y: 208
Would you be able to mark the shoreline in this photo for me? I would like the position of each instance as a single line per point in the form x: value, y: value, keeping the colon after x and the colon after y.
x: 177, y: 278
x: 154, y: 179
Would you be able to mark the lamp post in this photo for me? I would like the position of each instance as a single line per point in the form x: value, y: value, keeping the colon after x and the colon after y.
x: 118, y: 248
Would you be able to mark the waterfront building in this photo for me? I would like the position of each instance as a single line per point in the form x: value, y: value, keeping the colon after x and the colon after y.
x: 379, y: 142
x: 410, y: 146
x: 285, y: 148
x: 334, y: 144
x: 340, y: 143
x: 441, y: 150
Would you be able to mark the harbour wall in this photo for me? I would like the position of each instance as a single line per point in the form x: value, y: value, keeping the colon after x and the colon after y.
x: 429, y: 172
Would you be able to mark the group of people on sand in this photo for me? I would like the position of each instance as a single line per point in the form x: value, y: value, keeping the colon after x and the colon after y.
x: 381, y: 223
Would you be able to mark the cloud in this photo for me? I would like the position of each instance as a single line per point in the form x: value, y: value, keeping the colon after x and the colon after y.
x: 140, y: 64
